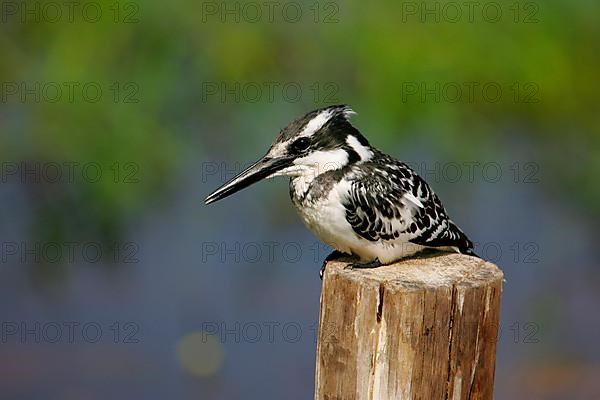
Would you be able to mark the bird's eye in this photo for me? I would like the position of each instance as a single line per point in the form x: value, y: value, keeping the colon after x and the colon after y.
x: 301, y: 144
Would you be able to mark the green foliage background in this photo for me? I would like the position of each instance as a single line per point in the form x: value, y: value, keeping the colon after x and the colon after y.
x: 369, y: 50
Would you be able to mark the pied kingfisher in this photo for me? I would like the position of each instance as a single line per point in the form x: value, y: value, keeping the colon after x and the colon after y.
x: 355, y: 198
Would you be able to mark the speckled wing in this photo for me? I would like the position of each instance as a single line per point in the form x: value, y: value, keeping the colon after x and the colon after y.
x: 388, y: 201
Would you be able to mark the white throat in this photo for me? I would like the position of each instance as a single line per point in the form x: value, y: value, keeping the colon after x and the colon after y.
x: 305, y: 169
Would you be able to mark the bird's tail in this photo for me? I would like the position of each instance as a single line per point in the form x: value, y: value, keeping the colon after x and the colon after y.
x: 462, y: 242
x: 468, y: 251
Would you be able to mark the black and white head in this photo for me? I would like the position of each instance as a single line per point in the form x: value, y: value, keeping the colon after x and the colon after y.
x: 317, y: 142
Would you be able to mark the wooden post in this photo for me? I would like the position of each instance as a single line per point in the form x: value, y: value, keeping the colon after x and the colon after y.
x: 422, y: 328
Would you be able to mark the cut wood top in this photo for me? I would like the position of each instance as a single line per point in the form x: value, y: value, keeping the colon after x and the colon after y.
x: 428, y: 270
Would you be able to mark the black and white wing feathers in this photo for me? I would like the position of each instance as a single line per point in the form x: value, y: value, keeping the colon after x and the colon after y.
x: 388, y: 200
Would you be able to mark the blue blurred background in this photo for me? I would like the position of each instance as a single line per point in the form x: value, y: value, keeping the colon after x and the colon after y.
x: 117, y: 118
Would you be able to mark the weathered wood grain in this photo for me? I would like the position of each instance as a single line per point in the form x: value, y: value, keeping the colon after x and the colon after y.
x: 423, y: 328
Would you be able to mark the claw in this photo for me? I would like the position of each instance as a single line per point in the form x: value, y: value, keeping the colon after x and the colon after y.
x: 371, y: 264
x: 332, y: 256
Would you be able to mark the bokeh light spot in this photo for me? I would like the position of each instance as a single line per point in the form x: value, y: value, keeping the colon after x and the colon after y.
x: 200, y: 354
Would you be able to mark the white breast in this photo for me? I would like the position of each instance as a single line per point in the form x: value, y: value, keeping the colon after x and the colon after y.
x: 326, y: 218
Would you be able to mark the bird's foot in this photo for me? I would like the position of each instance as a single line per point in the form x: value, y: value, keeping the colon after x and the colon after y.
x: 371, y: 264
x: 332, y: 256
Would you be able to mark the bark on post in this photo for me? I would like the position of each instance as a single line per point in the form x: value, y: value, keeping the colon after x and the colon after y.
x: 423, y: 328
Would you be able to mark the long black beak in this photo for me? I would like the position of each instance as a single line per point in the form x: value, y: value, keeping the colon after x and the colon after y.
x: 254, y: 173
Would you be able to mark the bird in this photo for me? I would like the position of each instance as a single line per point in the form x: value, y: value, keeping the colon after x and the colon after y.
x: 355, y: 198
